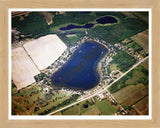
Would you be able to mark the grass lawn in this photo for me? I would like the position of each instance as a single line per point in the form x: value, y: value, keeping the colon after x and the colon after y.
x: 105, y: 107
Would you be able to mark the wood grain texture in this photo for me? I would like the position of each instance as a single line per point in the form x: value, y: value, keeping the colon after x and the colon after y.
x: 6, y: 4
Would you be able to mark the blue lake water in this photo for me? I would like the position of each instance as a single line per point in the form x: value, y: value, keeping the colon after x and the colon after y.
x: 71, y: 26
x: 102, y: 20
x: 80, y: 71
x: 106, y: 20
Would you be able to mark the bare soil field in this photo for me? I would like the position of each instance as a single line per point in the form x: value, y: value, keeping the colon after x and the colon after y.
x: 142, y: 106
x: 132, y: 112
x: 45, y: 50
x: 23, y: 69
x: 142, y: 39
x: 130, y: 94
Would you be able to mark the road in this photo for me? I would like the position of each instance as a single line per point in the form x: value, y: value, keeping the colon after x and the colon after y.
x: 102, y: 90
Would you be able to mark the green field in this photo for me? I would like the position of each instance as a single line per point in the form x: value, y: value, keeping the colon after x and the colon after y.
x: 98, y: 108
x: 134, y: 77
x: 105, y: 107
x: 74, y: 110
x: 93, y: 111
x: 123, y: 61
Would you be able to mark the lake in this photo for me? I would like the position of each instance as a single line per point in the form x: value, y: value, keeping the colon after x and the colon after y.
x: 71, y: 26
x: 106, y: 20
x: 102, y: 20
x: 80, y: 71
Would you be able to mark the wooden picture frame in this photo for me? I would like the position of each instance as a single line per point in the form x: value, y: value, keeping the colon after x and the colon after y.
x: 4, y: 63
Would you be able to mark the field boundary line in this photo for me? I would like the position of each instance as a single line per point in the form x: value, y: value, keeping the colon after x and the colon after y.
x: 31, y: 58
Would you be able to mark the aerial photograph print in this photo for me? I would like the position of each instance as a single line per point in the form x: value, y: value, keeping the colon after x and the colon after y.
x: 79, y: 62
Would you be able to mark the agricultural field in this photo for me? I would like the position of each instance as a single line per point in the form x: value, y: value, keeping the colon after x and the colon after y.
x: 130, y: 94
x: 37, y: 99
x: 103, y: 107
x: 142, y: 39
x: 23, y: 69
x: 93, y: 111
x: 142, y: 106
x: 131, y: 79
x: 131, y: 90
x: 45, y: 50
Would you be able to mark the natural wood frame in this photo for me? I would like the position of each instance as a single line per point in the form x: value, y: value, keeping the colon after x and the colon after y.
x: 4, y: 8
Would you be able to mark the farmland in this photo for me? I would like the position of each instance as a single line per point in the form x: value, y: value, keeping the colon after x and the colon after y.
x: 47, y: 48
x: 23, y: 69
x: 93, y: 111
x: 131, y: 79
x: 142, y: 39
x: 142, y: 106
x: 38, y: 99
x: 130, y: 94
x: 103, y: 107
x: 132, y: 91
x: 46, y: 42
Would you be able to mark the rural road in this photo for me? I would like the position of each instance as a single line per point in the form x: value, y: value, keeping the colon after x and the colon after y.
x: 102, y: 90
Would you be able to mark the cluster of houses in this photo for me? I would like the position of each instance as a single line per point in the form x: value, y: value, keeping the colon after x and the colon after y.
x: 123, y: 46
